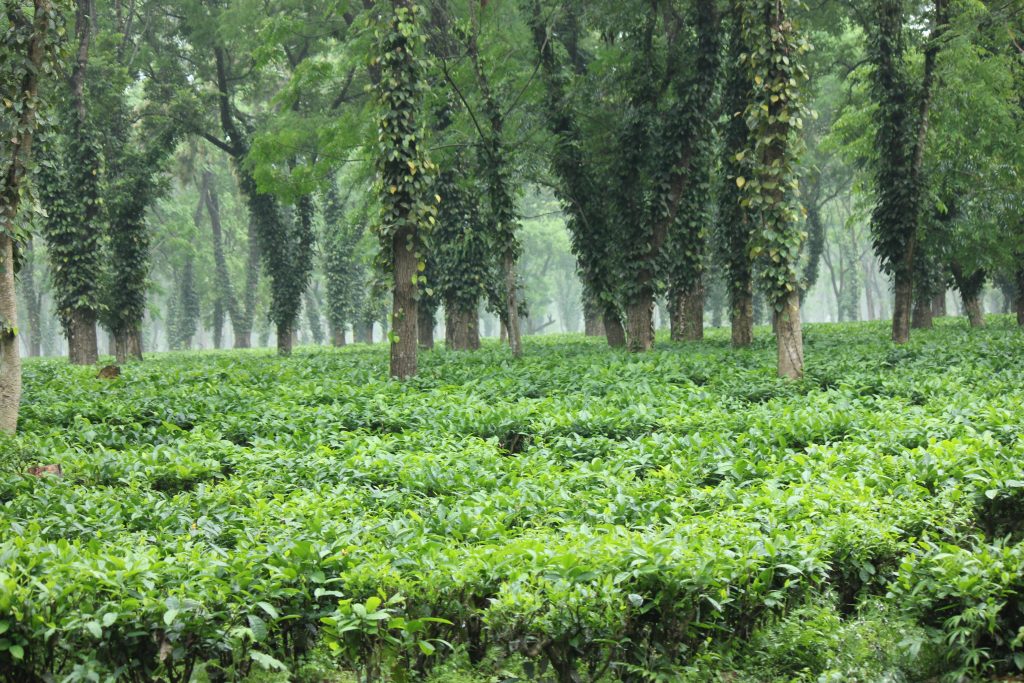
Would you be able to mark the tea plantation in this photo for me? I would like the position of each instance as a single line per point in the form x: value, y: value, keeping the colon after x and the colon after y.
x: 579, y: 515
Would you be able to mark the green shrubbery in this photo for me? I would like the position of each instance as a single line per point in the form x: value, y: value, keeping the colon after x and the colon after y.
x: 580, y: 515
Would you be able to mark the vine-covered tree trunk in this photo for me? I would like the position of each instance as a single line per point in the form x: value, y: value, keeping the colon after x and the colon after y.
x: 32, y: 298
x: 285, y: 338
x: 741, y: 317
x: 687, y: 314
x: 243, y: 332
x: 218, y: 322
x: 515, y: 338
x: 83, y: 346
x: 970, y: 288
x: 462, y: 329
x: 425, y: 327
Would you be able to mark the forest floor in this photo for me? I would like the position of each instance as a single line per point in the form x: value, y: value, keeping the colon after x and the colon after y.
x: 579, y: 515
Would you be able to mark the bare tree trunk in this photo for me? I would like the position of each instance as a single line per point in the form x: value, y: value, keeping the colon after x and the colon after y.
x: 135, y: 345
x: 425, y: 327
x: 939, y: 305
x: 922, y: 318
x: 218, y: 322
x: 1019, y: 301
x: 613, y: 330
x: 32, y: 298
x: 10, y: 354
x: 243, y: 332
x: 119, y: 342
x: 970, y: 288
x: 515, y: 340
x: 903, y: 299
x: 789, y: 338
x: 404, y: 317
x: 640, y: 322
x: 462, y: 329
x: 742, y: 319
x: 975, y: 311
x: 337, y: 335
x: 869, y: 295
x: 83, y: 348
x: 593, y: 326
x: 687, y: 314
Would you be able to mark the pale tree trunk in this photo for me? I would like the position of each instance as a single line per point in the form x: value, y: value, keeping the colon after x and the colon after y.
x: 939, y: 305
x: 515, y: 340
x: 742, y: 319
x: 789, y: 338
x: 404, y: 317
x: 425, y: 327
x: 462, y: 329
x: 869, y: 294
x: 83, y: 348
x: 10, y: 356
x: 613, y: 330
x: 640, y: 322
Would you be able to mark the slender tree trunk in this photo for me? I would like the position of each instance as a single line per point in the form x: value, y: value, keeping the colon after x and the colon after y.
x: 515, y: 339
x: 922, y: 318
x: 789, y: 338
x: 640, y: 322
x: 1019, y: 301
x: 404, y: 317
x: 939, y: 306
x: 10, y: 354
x: 970, y: 288
x: 742, y: 319
x: 243, y: 332
x: 83, y: 348
x: 32, y: 299
x: 218, y: 322
x: 869, y: 295
x: 613, y: 330
x: 462, y: 329
x: 425, y: 327
x: 903, y: 299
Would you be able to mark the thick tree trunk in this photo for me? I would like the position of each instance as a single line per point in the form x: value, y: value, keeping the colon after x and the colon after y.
x: 285, y: 339
x: 404, y: 317
x: 515, y: 339
x: 613, y: 330
x: 337, y: 335
x: 83, y: 348
x: 119, y: 341
x: 640, y: 322
x: 10, y: 354
x: 922, y: 317
x: 363, y: 333
x: 789, y: 338
x: 975, y: 311
x: 425, y: 327
x: 593, y: 326
x: 970, y: 288
x: 462, y: 329
x: 687, y: 313
x: 903, y: 299
x: 939, y: 305
x: 742, y: 319
x: 135, y: 345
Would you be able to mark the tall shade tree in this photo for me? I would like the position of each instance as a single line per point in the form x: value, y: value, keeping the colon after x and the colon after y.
x: 774, y: 117
x: 30, y: 37
x: 70, y: 190
x: 408, y: 202
x: 902, y: 130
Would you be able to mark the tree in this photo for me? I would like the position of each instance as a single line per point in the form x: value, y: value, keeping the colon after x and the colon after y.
x: 408, y: 205
x: 28, y: 52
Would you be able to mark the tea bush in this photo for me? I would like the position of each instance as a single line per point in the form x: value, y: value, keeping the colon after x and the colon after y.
x: 578, y: 515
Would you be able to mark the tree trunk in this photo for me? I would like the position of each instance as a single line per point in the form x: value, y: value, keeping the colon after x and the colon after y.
x: 218, y: 322
x: 337, y: 335
x: 593, y: 326
x: 285, y: 339
x: 10, y: 354
x: 869, y: 295
x: 687, y: 313
x: 640, y: 322
x: 939, y: 305
x: 404, y: 317
x: 742, y: 320
x: 922, y: 317
x: 613, y: 330
x: 975, y: 311
x: 425, y: 327
x: 1019, y: 301
x: 515, y: 339
x: 135, y: 345
x: 903, y: 299
x: 462, y: 329
x: 120, y: 345
x: 789, y: 338
x: 33, y: 300
x: 243, y: 331
x: 82, y: 344
x: 970, y: 288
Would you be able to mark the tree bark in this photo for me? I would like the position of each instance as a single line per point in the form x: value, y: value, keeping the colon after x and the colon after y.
x: 975, y: 311
x: 640, y: 322
x: 135, y: 345
x: 789, y: 338
x: 32, y: 298
x: 462, y: 329
x: 593, y: 326
x: 1019, y: 301
x: 83, y: 348
x: 903, y: 299
x: 425, y: 327
x: 285, y: 339
x: 515, y: 339
x: 404, y: 317
x: 218, y: 322
x: 10, y: 354
x: 970, y: 288
x: 922, y: 317
x: 742, y: 320
x: 939, y: 305
x: 119, y: 345
x: 337, y: 335
x: 243, y: 332
x: 687, y: 314
x: 613, y: 330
